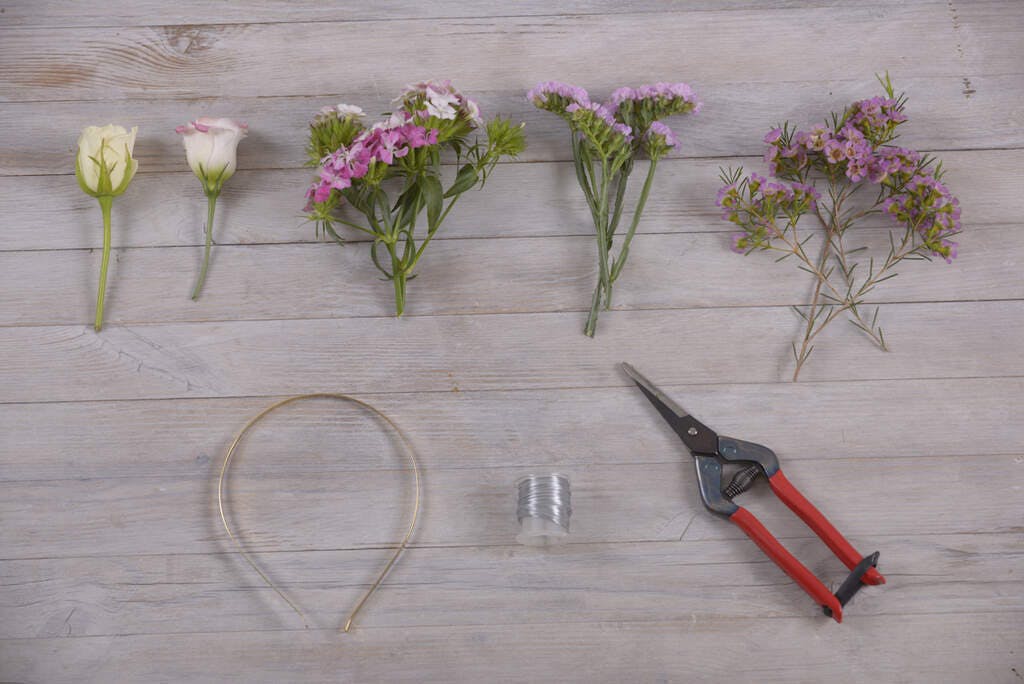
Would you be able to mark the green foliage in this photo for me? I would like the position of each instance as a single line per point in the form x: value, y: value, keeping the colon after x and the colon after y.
x: 418, y: 179
x: 328, y: 133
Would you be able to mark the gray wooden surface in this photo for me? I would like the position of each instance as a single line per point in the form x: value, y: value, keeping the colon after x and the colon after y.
x: 113, y: 566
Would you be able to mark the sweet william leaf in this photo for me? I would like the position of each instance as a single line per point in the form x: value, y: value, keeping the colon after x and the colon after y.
x: 464, y: 180
x: 432, y: 193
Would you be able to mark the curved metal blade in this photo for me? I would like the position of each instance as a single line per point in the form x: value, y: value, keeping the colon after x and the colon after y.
x: 698, y: 437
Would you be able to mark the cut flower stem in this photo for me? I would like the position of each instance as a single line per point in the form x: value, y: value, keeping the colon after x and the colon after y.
x: 106, y: 202
x: 211, y: 205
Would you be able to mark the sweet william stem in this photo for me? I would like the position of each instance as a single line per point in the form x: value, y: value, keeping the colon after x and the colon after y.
x: 105, y: 203
x: 211, y: 204
x: 399, y: 281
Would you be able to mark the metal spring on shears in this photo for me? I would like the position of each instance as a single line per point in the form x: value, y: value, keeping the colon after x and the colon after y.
x: 742, y: 481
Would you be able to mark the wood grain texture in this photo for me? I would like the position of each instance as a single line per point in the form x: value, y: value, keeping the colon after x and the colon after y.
x: 56, y: 14
x: 239, y: 59
x: 519, y: 428
x: 733, y: 121
x: 501, y: 585
x: 298, y: 512
x: 484, y: 276
x: 486, y: 352
x: 902, y: 648
x: 264, y: 207
x: 113, y: 564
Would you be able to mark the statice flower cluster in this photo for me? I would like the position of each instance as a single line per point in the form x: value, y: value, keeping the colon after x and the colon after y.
x: 607, y: 138
x: 852, y: 150
x: 653, y: 102
x: 358, y: 165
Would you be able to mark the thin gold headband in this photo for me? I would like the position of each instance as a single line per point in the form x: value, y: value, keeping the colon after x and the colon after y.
x: 410, y: 450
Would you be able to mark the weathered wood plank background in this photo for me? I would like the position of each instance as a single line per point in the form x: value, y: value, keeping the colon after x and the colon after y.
x: 113, y: 566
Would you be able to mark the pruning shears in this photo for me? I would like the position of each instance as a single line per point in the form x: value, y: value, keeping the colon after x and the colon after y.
x: 712, y: 452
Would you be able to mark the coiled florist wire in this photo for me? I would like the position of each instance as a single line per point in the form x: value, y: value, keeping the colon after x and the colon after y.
x: 543, y: 510
x: 410, y: 451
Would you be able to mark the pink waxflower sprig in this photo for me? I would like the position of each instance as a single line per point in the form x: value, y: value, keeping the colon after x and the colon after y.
x: 850, y: 152
x: 358, y: 164
x: 606, y: 140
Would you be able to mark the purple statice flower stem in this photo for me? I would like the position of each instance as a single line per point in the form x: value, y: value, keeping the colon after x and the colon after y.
x: 604, y: 284
x: 640, y: 204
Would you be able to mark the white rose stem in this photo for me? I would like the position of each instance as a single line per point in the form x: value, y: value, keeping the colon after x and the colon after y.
x: 106, y: 201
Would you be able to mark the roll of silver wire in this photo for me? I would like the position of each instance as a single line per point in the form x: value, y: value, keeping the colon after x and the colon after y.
x: 543, y: 510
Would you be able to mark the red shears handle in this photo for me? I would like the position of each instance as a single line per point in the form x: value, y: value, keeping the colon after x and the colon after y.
x: 813, y: 518
x: 789, y: 564
x: 774, y: 549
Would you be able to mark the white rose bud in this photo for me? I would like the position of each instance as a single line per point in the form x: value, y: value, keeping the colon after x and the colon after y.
x: 211, y: 147
x: 105, y: 166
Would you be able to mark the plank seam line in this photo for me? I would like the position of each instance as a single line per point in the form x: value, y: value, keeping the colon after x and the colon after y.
x: 448, y: 391
x: 574, y: 544
x: 681, y: 158
x: 180, y: 97
x: 127, y: 324
x: 360, y: 240
x: 688, y: 622
x: 482, y: 19
x: 305, y: 474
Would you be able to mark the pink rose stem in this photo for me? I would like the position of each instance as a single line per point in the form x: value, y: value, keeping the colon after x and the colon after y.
x: 211, y: 204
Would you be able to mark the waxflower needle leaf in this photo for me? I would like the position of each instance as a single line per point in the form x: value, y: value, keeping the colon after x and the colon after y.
x: 606, y: 141
x: 849, y: 153
x: 363, y: 167
x: 104, y: 167
x: 211, y: 148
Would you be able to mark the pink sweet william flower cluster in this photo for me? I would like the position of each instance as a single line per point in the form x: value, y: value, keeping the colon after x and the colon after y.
x: 393, y: 172
x: 440, y: 100
x: 382, y: 143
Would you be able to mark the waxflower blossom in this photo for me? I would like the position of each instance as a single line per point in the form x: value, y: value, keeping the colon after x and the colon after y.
x: 607, y: 138
x: 853, y: 150
x: 211, y: 149
x: 357, y: 165
x: 104, y: 167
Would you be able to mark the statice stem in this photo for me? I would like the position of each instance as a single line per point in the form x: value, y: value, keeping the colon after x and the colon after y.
x: 105, y: 204
x: 603, y: 250
x: 640, y: 204
x: 211, y: 204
